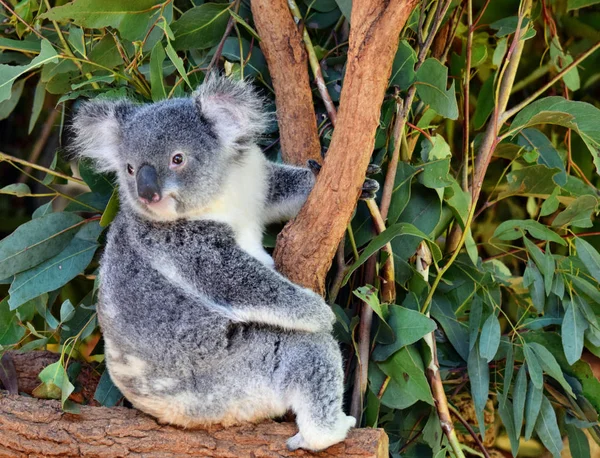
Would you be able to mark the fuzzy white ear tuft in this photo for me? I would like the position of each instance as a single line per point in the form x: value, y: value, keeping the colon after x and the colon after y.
x: 97, y: 131
x: 234, y: 107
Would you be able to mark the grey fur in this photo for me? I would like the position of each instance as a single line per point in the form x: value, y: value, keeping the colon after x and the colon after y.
x: 198, y: 328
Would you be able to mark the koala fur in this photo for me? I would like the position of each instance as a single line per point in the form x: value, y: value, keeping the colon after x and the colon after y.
x: 198, y: 327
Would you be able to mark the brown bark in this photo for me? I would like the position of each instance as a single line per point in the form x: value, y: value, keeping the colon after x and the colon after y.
x: 29, y: 364
x: 38, y: 428
x: 281, y: 43
x: 307, y: 245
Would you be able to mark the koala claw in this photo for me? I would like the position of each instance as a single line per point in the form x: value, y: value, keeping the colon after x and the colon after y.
x: 369, y: 189
x: 296, y: 442
x: 314, y: 166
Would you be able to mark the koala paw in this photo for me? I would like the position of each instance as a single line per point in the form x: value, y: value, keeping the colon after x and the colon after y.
x: 369, y: 189
x: 325, y: 438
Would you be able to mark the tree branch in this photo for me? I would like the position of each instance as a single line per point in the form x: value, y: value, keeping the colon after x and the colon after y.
x: 282, y: 46
x: 306, y: 246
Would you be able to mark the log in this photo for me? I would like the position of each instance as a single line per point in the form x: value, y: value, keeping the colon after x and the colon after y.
x: 29, y: 364
x: 282, y: 45
x: 307, y: 245
x: 32, y: 427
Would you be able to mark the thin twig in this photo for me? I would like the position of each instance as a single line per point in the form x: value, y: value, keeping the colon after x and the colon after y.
x: 20, y: 19
x: 9, y: 158
x: 489, y: 141
x: 40, y: 143
x: 468, y: 427
x: 514, y: 110
x: 228, y: 29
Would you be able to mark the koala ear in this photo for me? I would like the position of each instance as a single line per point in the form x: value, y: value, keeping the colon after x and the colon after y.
x: 97, y: 131
x: 234, y: 108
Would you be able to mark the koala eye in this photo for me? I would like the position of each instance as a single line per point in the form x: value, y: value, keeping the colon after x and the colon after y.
x: 130, y: 170
x: 177, y: 160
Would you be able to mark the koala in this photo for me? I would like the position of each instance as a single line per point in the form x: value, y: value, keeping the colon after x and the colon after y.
x: 198, y: 328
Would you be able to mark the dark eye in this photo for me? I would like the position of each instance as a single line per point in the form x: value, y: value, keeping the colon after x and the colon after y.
x: 177, y: 159
x: 130, y: 169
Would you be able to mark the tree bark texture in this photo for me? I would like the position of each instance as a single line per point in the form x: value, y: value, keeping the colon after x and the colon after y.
x: 307, y: 245
x: 32, y: 427
x: 281, y: 43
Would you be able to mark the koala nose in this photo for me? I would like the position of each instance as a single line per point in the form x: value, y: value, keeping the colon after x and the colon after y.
x: 147, y: 184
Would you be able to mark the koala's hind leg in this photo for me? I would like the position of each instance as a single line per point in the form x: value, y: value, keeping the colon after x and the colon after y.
x: 314, y: 386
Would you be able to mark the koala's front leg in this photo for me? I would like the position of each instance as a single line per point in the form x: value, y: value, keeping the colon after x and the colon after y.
x: 289, y: 187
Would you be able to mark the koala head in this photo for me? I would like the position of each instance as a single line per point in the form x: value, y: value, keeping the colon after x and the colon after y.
x: 171, y: 157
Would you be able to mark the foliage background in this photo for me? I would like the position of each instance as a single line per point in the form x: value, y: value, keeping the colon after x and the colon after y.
x: 513, y: 312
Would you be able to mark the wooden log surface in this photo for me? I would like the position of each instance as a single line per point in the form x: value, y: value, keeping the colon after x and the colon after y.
x: 32, y: 427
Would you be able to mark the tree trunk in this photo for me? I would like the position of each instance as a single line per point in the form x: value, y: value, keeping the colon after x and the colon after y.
x: 307, y: 245
x: 281, y: 43
x: 32, y: 427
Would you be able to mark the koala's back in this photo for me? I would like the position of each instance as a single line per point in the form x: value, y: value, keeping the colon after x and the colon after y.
x: 161, y: 352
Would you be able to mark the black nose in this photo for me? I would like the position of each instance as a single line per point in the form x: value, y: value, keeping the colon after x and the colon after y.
x: 147, y: 184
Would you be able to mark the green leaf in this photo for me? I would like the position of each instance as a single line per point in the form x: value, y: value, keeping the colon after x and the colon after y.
x: 67, y: 311
x: 505, y: 410
x: 514, y: 229
x: 508, y: 25
x: 534, y: 140
x: 9, y: 73
x: 251, y: 56
x: 588, y: 255
x: 578, y: 442
x: 52, y: 273
x: 368, y: 294
x: 178, y: 62
x: 55, y: 375
x: 7, y: 106
x: 475, y: 320
x: 408, y: 326
x: 485, y: 103
x: 519, y: 396
x: 10, y: 330
x: 572, y: 332
x: 532, y: 408
x: 407, y: 384
x: 533, y: 279
x: 107, y: 394
x: 576, y: 4
x: 17, y: 189
x: 551, y: 366
x: 77, y: 39
x: 399, y: 229
x: 431, y: 80
x: 111, y: 210
x: 200, y: 27
x: 456, y: 331
x: 130, y: 18
x: 36, y: 241
x: 157, y: 83
x: 38, y: 104
x: 459, y: 201
x: 580, y: 116
x: 489, y: 340
x: 578, y: 213
x: 401, y: 192
x: 25, y: 46
x: 423, y: 210
x: 479, y: 376
x: 535, y: 370
x: 403, y: 67
x: 535, y: 181
x: 544, y: 262
x: 546, y: 428
x: 562, y: 60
